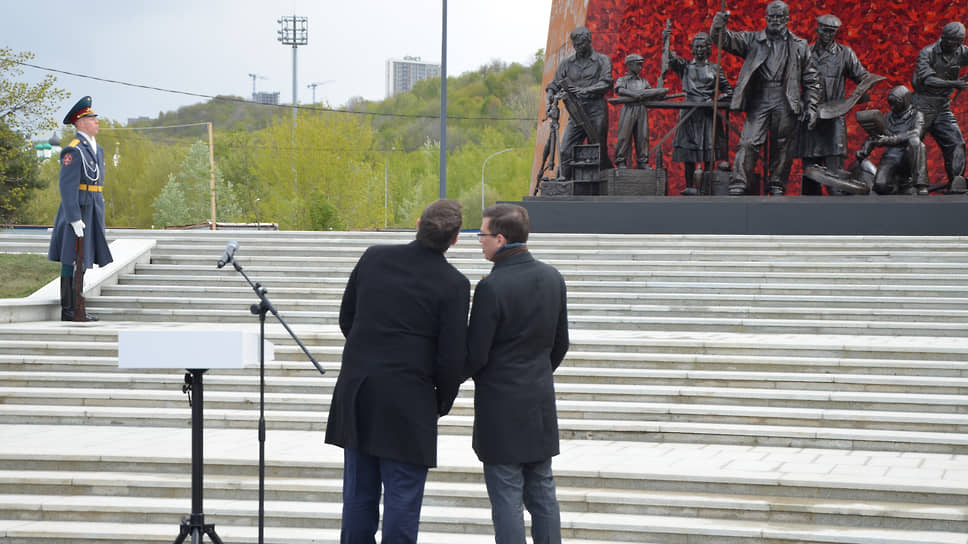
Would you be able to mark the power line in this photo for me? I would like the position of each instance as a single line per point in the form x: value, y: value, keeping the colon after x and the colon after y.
x: 155, y: 128
x: 244, y: 101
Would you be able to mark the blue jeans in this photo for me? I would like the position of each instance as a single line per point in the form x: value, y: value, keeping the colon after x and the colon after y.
x: 515, y: 486
x: 403, y: 489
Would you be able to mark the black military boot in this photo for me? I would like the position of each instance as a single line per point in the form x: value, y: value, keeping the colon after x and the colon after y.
x: 67, y: 298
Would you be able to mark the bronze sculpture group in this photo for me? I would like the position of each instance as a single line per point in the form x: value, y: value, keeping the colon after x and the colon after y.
x: 793, y: 97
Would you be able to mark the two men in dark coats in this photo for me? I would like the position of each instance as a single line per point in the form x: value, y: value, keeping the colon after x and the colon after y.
x: 404, y: 316
x: 517, y: 337
x: 79, y: 223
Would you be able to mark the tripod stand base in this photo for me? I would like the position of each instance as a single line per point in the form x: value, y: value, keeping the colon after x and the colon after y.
x: 195, y: 528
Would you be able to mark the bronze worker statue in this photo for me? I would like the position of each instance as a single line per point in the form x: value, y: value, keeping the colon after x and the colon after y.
x: 826, y: 143
x: 693, y: 140
x: 935, y: 77
x: 581, y: 82
x: 776, y: 87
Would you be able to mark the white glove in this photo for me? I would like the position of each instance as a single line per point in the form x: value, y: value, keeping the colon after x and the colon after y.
x: 78, y: 227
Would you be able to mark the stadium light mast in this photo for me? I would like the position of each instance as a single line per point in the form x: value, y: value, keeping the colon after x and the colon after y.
x: 294, y: 31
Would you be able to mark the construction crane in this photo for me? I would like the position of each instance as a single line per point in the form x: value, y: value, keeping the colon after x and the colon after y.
x: 316, y: 84
x: 254, y: 77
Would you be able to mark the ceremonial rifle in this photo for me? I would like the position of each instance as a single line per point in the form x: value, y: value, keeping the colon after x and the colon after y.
x: 80, y: 313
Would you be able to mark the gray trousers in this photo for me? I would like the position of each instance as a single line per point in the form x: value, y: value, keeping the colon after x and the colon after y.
x: 515, y: 486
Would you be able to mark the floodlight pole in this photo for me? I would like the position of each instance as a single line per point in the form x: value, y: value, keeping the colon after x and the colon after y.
x: 443, y: 104
x: 294, y: 31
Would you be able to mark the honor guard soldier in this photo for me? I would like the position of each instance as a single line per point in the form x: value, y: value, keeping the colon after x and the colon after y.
x: 78, y: 240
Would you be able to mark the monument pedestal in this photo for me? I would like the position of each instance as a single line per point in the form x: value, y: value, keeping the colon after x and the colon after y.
x: 936, y: 215
x: 635, y: 182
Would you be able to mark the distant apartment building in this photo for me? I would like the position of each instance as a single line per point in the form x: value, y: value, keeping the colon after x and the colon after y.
x: 403, y: 73
x: 266, y: 98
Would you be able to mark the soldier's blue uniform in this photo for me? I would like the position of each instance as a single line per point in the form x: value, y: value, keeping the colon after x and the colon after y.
x: 81, y: 184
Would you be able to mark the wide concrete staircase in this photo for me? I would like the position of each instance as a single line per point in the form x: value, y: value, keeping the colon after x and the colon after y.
x: 719, y: 389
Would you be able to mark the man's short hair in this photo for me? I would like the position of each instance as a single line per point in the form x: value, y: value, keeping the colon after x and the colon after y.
x: 510, y: 220
x: 439, y: 224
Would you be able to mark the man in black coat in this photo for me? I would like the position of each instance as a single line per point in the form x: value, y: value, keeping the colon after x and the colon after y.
x: 80, y: 215
x: 404, y: 316
x: 518, y: 335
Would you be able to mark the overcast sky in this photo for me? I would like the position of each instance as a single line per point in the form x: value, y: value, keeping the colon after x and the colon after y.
x: 210, y: 47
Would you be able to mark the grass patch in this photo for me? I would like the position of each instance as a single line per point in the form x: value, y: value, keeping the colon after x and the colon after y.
x: 23, y: 273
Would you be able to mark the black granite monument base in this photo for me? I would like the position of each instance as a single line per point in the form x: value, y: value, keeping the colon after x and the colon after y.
x: 936, y: 215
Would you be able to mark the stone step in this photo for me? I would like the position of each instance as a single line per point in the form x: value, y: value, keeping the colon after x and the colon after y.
x: 61, y: 532
x: 580, y: 269
x: 316, y: 521
x: 818, y: 298
x: 96, y: 388
x: 705, y: 309
x: 695, y: 286
x: 287, y: 256
x: 205, y: 314
x: 824, y: 434
x: 578, y: 368
x: 472, y: 494
x: 703, y: 350
x: 739, y: 272
x: 945, y: 413
x: 642, y: 490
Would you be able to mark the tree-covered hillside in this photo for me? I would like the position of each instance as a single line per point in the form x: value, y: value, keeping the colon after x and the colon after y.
x: 364, y: 165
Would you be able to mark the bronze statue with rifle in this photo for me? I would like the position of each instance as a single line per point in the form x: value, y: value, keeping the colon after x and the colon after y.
x: 581, y: 82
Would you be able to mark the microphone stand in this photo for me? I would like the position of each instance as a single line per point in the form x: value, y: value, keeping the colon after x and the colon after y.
x: 261, y: 309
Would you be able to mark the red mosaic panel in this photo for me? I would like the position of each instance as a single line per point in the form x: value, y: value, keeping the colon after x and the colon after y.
x: 886, y: 35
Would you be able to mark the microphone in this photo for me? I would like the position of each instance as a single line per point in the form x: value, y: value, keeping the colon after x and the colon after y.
x: 230, y: 250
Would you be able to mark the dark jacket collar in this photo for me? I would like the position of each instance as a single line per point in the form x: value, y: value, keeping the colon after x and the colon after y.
x: 513, y: 256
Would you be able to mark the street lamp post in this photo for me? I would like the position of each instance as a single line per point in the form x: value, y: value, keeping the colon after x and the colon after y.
x: 482, y: 173
x: 386, y: 186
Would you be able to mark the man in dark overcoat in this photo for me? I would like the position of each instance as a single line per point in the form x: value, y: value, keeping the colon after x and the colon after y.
x: 518, y: 335
x: 404, y: 316
x: 81, y: 211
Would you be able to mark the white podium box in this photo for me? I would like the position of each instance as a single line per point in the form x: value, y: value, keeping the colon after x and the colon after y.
x: 183, y: 348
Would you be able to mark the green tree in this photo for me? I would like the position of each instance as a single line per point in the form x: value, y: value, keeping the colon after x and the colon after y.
x: 329, y: 155
x: 136, y: 170
x: 25, y: 107
x: 186, y: 197
x: 18, y: 173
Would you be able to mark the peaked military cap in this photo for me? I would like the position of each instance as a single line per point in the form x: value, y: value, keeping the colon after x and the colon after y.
x: 81, y: 109
x: 830, y: 20
x: 633, y: 58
